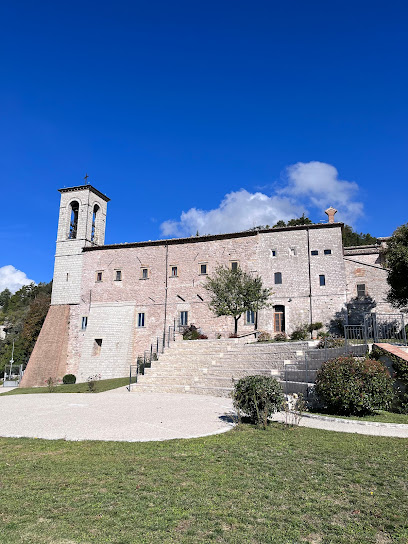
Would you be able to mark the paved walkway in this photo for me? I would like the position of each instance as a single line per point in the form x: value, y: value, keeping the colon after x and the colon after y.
x: 138, y: 417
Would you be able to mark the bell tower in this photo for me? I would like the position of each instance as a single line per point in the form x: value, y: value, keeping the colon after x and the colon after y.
x: 82, y: 221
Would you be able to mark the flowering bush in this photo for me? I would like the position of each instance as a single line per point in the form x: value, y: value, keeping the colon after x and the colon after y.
x: 264, y: 337
x: 352, y: 386
x: 258, y: 397
x: 193, y: 333
x: 280, y: 337
x: 92, y: 381
x: 51, y: 383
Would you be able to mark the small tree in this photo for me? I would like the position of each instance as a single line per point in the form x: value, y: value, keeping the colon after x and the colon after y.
x: 397, y: 263
x: 234, y: 292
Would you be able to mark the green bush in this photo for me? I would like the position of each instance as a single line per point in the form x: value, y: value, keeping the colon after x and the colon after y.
x: 330, y: 342
x: 349, y: 386
x: 315, y: 326
x: 69, y: 379
x: 300, y: 333
x: 192, y: 333
x: 258, y: 397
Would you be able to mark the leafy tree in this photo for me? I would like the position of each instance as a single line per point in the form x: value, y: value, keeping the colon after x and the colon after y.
x: 234, y: 292
x: 5, y: 299
x: 303, y: 220
x: 397, y: 263
x: 352, y: 238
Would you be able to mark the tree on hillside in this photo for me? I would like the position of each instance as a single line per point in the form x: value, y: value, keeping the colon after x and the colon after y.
x: 397, y: 263
x: 352, y: 238
x: 234, y: 292
x: 5, y: 299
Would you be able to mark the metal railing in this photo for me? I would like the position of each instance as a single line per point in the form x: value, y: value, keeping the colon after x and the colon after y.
x: 152, y: 354
x: 389, y: 328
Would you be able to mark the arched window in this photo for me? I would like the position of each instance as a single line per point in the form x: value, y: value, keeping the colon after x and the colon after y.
x: 73, y: 223
x: 93, y: 233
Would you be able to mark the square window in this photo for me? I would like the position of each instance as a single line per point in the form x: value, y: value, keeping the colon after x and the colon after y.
x: 327, y: 251
x: 203, y: 269
x: 183, y: 319
x: 97, y: 346
x: 174, y: 271
x: 84, y: 323
x: 314, y: 252
x: 274, y: 253
x: 145, y: 273
x: 118, y: 275
x: 234, y: 265
x: 99, y: 276
x: 292, y: 252
x: 361, y: 290
x: 250, y: 317
x: 322, y: 280
x: 278, y: 278
x: 141, y: 319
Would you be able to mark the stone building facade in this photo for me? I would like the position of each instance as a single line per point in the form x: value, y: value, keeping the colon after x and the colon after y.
x: 110, y: 302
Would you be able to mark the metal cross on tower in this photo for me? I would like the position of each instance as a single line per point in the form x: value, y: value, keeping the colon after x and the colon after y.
x: 86, y: 178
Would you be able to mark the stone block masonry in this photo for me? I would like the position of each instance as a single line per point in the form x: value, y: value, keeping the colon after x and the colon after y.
x: 120, y: 298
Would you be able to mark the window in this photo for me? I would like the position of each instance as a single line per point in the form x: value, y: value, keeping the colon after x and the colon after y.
x: 279, y: 318
x: 250, y: 317
x: 67, y: 276
x: 94, y: 219
x: 234, y: 265
x: 314, y: 252
x: 327, y: 251
x: 99, y: 276
x: 174, y: 271
x: 97, y: 346
x: 141, y: 319
x: 203, y: 269
x: 183, y: 319
x: 361, y: 290
x: 278, y: 278
x: 73, y: 223
x: 322, y: 280
x: 292, y: 251
x: 84, y: 323
x: 118, y: 275
x: 273, y: 253
x: 145, y: 274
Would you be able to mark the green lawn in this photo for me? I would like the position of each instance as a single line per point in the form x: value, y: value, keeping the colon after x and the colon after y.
x: 280, y: 486
x: 101, y: 385
x: 380, y: 416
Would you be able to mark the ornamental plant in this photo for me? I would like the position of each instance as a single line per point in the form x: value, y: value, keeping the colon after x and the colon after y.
x: 69, y: 379
x: 349, y: 386
x: 258, y: 397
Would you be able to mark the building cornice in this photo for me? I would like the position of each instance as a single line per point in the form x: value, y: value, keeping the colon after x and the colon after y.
x: 82, y: 188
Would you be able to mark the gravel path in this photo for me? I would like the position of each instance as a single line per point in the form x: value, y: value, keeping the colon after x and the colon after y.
x: 138, y: 417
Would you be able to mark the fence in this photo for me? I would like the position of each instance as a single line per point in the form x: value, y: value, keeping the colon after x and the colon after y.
x: 389, y: 328
x: 300, y: 377
x: 13, y: 374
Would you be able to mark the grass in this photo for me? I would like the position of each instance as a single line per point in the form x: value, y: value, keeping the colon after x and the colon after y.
x: 279, y: 486
x: 101, y: 385
x: 381, y: 416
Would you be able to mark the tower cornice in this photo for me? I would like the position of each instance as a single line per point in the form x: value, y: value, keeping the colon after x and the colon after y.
x: 83, y: 187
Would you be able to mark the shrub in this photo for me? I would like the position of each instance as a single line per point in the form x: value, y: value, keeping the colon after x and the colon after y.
x: 233, y: 335
x: 280, y: 337
x: 92, y: 381
x: 192, y: 333
x: 349, y: 386
x: 258, y: 397
x: 69, y: 379
x: 330, y: 342
x: 400, y: 367
x: 264, y: 337
x: 315, y: 326
x: 300, y: 333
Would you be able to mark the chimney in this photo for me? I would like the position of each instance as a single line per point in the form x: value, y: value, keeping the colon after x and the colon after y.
x: 330, y: 212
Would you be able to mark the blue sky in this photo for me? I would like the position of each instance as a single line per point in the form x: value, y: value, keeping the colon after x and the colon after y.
x: 232, y: 112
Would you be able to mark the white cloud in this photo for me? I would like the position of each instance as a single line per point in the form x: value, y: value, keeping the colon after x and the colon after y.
x: 306, y: 185
x: 317, y: 185
x: 13, y: 279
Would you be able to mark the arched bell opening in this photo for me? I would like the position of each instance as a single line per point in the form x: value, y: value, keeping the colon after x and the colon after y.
x: 95, y: 216
x: 73, y: 223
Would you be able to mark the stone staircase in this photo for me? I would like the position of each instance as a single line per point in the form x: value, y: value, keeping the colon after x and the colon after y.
x: 208, y: 367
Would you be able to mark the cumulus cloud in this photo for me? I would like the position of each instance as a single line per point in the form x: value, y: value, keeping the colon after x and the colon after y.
x: 313, y: 185
x: 318, y: 185
x: 12, y: 279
